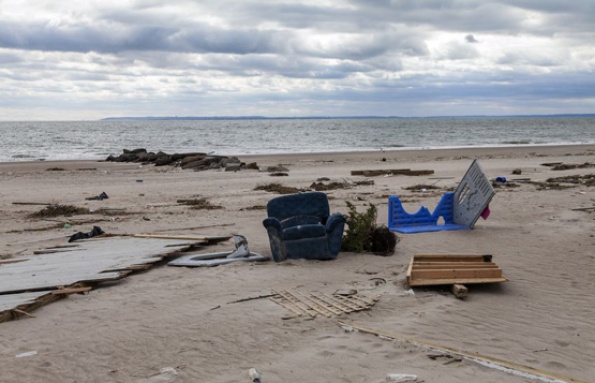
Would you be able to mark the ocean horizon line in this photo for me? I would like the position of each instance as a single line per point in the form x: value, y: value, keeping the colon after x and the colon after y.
x: 371, y: 117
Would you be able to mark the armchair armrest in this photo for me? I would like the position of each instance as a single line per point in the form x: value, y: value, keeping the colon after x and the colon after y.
x: 334, y: 228
x: 275, y: 232
x: 272, y: 223
x: 334, y: 221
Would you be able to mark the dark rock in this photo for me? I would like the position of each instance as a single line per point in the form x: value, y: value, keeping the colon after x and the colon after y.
x: 184, y: 156
x: 163, y: 160
x: 277, y: 169
x: 233, y: 167
x: 190, y: 159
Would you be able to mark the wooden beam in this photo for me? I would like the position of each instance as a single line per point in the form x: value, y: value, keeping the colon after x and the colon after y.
x: 33, y: 203
x: 456, y: 273
x: 454, y: 257
x: 72, y: 290
x: 460, y: 291
x: 362, y: 172
x: 380, y: 172
x: 438, y: 282
x: 461, y: 265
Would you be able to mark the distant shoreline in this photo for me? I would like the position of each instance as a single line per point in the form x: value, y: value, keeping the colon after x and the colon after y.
x: 232, y: 118
x: 376, y: 155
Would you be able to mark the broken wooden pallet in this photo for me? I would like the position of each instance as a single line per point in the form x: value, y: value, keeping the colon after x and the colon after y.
x: 450, y: 269
x: 327, y: 305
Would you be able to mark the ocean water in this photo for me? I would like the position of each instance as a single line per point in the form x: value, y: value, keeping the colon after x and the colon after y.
x: 93, y: 140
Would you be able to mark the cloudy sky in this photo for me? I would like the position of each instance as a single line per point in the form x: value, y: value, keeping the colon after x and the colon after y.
x: 85, y: 60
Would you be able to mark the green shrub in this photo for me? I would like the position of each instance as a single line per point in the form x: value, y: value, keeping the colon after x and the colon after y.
x: 360, y: 226
x: 363, y: 235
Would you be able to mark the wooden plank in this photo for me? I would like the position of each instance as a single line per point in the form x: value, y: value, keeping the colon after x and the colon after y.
x: 415, y: 173
x: 315, y: 306
x: 72, y: 290
x: 467, y: 281
x: 287, y: 306
x: 453, y: 257
x: 326, y: 305
x: 164, y: 236
x: 362, y: 172
x: 366, y: 303
x: 454, y: 266
x: 342, y: 301
x: 296, y: 303
x: 583, y: 208
x: 456, y: 274
x: 334, y: 304
x: 8, y: 261
x: 33, y: 203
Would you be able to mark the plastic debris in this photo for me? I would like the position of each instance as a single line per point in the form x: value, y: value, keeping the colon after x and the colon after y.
x: 26, y: 354
x: 254, y: 375
x: 392, y: 377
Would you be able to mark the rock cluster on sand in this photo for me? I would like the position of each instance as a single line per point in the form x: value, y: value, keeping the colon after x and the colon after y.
x: 196, y: 161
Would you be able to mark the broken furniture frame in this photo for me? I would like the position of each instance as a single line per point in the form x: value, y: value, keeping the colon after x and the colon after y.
x: 451, y: 269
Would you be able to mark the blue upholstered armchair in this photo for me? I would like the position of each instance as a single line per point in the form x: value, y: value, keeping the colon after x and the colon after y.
x: 300, y: 226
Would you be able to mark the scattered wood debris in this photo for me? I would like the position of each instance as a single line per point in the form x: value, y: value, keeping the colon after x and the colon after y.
x: 54, y: 169
x: 58, y: 210
x: 327, y: 305
x: 199, y: 203
x: 422, y: 187
x: 381, y: 172
x: 334, y: 185
x: 460, y: 291
x: 565, y: 182
x: 255, y: 207
x: 573, y: 166
x: 583, y: 208
x: 587, y: 179
x: 33, y: 203
x: 275, y: 187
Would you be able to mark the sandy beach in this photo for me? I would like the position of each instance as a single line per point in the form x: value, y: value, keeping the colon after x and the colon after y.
x: 127, y: 331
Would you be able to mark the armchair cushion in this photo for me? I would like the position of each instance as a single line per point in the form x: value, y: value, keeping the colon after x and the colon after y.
x: 300, y: 220
x: 304, y: 231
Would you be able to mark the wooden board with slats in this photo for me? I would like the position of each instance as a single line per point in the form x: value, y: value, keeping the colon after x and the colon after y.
x: 449, y: 269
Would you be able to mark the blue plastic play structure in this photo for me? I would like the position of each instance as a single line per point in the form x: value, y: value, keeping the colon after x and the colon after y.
x: 459, y: 210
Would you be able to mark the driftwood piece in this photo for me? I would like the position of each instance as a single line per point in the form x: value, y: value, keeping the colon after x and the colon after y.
x: 33, y: 203
x: 72, y: 290
x: 380, y: 172
x: 584, y: 208
x: 460, y: 291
